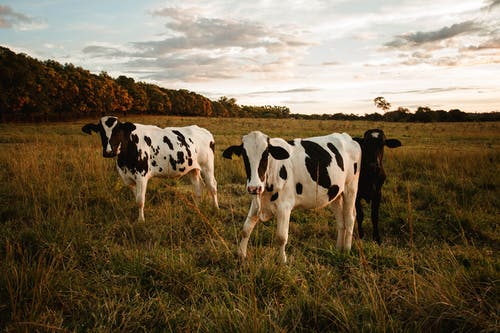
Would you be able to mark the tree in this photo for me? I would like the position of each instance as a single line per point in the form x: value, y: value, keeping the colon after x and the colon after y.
x: 457, y: 115
x: 136, y: 92
x: 381, y: 103
x: 423, y: 114
x: 230, y: 105
x: 158, y: 100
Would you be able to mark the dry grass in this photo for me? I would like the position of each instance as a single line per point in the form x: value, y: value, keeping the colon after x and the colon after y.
x: 73, y: 258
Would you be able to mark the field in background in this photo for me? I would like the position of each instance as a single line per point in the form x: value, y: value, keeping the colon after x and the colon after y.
x: 73, y: 257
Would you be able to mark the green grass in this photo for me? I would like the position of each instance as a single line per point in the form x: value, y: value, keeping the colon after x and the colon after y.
x: 74, y: 258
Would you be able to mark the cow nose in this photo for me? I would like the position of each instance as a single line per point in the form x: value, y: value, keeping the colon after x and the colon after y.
x: 254, y: 189
x: 106, y: 153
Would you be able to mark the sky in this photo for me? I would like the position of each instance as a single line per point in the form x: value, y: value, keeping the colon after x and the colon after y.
x: 313, y: 56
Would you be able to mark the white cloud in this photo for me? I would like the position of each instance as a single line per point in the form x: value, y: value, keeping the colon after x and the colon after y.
x: 11, y: 19
x: 196, y: 47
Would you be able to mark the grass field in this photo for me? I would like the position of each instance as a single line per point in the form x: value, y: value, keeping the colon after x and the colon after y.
x: 74, y: 258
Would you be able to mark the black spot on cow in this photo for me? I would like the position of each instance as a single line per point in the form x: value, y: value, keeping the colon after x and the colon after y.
x: 131, y: 159
x: 263, y: 165
x: 160, y: 169
x: 270, y: 188
x: 246, y: 162
x: 212, y: 145
x: 156, y: 150
x: 274, y: 196
x: 355, y: 168
x: 168, y: 142
x: 130, y: 156
x: 110, y: 121
x: 291, y: 142
x: 173, y: 163
x: 191, y: 140
x: 332, y: 192
x: 148, y: 140
x: 182, y: 169
x: 182, y: 140
x: 283, y: 173
x: 298, y: 188
x: 180, y: 157
x: 338, y: 157
x: 153, y: 163
x: 317, y: 162
x: 142, y: 164
x: 190, y: 161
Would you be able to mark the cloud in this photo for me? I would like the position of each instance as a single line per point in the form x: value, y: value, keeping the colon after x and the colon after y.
x: 493, y: 43
x: 196, y: 47
x: 12, y: 19
x: 195, y: 32
x: 491, y: 4
x: 186, y: 67
x: 429, y: 90
x: 331, y: 63
x: 306, y: 102
x: 287, y: 91
x: 414, y: 39
x: 467, y: 43
x: 8, y: 17
x: 104, y: 51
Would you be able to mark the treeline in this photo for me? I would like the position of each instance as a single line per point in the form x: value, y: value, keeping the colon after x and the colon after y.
x: 32, y: 90
x: 421, y: 115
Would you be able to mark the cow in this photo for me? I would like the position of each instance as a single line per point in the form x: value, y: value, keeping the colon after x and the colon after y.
x: 372, y: 176
x: 300, y: 173
x: 146, y: 151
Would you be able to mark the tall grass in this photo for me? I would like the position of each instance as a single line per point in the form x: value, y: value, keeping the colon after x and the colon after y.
x: 73, y: 258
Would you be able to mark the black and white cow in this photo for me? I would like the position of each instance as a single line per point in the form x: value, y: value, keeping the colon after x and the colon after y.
x: 145, y: 151
x: 372, y: 176
x: 301, y: 173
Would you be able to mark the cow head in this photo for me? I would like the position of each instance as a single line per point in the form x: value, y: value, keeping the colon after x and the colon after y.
x: 114, y: 134
x: 372, y: 146
x: 255, y: 149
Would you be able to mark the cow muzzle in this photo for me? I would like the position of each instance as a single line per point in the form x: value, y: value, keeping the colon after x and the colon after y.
x: 255, y: 189
x: 106, y: 153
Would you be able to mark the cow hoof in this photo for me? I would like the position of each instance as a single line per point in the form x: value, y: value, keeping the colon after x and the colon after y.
x: 242, y: 255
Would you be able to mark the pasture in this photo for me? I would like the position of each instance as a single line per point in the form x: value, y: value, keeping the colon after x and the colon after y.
x: 74, y: 258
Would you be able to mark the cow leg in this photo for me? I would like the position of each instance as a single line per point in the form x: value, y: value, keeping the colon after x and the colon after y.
x: 349, y: 212
x: 208, y: 176
x: 338, y: 208
x: 194, y: 175
x: 359, y: 217
x: 140, y: 195
x: 128, y: 181
x: 283, y: 222
x: 250, y: 222
x: 374, y: 215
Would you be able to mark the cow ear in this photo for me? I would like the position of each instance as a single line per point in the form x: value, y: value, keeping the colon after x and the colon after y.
x: 278, y: 153
x: 233, y: 150
x: 393, y: 143
x: 89, y: 128
x: 127, y: 127
x: 358, y: 140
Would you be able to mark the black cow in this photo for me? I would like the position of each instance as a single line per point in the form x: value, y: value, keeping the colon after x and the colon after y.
x: 372, y: 175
